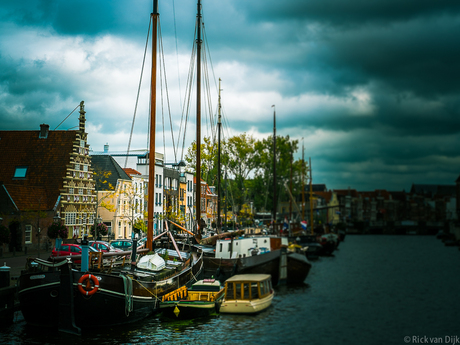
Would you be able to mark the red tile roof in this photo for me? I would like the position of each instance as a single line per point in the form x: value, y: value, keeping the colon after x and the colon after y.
x: 46, y: 161
x: 131, y: 171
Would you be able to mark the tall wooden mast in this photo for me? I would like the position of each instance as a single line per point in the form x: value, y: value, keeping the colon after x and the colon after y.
x: 219, y: 194
x: 303, y: 183
x: 274, y: 168
x: 153, y: 92
x: 198, y: 123
x: 311, y: 200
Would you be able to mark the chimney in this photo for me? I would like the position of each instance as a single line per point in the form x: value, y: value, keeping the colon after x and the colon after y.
x: 106, y: 148
x: 44, y: 130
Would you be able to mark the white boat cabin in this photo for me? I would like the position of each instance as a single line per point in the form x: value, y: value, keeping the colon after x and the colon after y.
x: 247, y: 246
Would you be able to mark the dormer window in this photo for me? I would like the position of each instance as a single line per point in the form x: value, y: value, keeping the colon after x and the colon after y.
x: 20, y: 172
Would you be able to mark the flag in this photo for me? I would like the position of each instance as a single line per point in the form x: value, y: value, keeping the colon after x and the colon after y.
x: 285, y: 224
x: 304, y: 224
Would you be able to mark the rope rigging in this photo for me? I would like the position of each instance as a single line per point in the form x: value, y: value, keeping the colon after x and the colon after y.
x: 138, y: 93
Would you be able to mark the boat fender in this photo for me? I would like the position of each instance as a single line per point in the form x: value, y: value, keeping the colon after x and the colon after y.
x: 88, y: 290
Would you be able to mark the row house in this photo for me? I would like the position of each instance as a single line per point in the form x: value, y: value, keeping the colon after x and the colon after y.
x: 115, y: 196
x: 139, y: 195
x: 186, y: 198
x: 46, y: 176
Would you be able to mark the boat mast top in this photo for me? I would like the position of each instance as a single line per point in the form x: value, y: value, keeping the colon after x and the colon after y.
x: 153, y: 92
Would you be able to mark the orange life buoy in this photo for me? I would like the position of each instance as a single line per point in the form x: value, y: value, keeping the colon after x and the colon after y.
x: 89, y: 289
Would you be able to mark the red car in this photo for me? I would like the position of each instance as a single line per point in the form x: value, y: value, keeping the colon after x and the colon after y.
x: 70, y: 249
x: 102, y: 246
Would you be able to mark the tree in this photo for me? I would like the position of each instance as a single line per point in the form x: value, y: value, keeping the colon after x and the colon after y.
x: 263, y: 180
x: 208, y: 154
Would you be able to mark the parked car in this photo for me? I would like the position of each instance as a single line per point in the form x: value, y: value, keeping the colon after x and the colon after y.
x: 70, y: 249
x: 141, y: 243
x: 122, y: 244
x: 102, y: 246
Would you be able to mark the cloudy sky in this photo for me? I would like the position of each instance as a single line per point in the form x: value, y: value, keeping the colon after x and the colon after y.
x: 371, y: 88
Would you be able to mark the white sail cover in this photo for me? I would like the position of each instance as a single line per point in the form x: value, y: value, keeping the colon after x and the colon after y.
x: 152, y: 262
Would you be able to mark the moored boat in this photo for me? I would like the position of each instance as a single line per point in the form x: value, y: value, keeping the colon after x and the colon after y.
x: 258, y: 254
x: 247, y: 294
x: 202, y: 299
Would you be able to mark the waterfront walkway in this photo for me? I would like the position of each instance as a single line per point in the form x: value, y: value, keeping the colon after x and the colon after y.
x: 17, y: 261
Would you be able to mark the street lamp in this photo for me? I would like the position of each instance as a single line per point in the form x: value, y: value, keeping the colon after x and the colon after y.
x: 57, y: 220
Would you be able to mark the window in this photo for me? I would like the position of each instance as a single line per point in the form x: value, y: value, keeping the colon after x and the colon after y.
x: 28, y: 234
x: 70, y: 218
x: 254, y: 291
x: 230, y: 291
x: 70, y: 190
x: 85, y: 167
x: 77, y: 166
x: 74, y: 249
x: 80, y: 191
x: 238, y: 291
x: 20, y: 172
x: 245, y: 292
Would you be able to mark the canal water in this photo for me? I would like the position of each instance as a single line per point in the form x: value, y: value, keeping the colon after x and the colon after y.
x: 374, y: 290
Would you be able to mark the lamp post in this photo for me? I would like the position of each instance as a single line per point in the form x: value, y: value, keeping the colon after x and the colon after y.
x: 57, y: 220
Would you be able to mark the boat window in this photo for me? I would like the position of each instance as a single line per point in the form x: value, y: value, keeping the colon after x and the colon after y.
x: 266, y: 287
x: 254, y: 291
x: 220, y: 250
x: 230, y: 291
x: 246, y: 294
x: 262, y: 288
x: 238, y: 291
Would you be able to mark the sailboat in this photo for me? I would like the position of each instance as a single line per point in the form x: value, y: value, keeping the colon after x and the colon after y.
x: 57, y: 294
x: 257, y: 254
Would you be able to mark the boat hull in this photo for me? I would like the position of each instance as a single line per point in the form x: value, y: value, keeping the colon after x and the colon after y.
x: 298, y: 266
x: 184, y: 310
x: 246, y: 306
x: 48, y: 299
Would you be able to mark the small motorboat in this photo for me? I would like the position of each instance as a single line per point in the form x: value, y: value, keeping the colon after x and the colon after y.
x: 247, y: 294
x: 200, y: 300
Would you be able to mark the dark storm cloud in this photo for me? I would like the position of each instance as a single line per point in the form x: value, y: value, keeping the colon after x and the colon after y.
x: 80, y: 17
x: 343, y: 12
x: 375, y: 83
x: 32, y: 88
